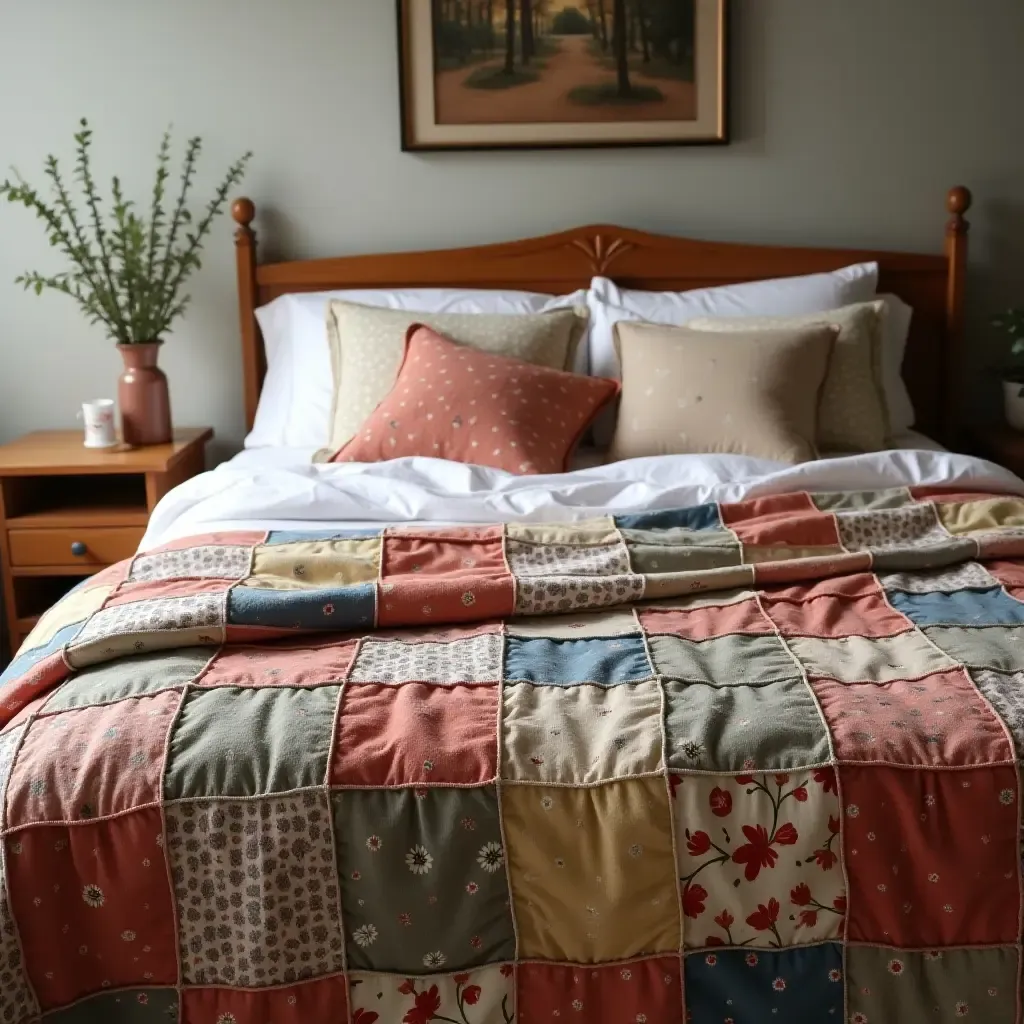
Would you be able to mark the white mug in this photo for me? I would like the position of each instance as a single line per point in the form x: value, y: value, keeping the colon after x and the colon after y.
x: 98, y: 417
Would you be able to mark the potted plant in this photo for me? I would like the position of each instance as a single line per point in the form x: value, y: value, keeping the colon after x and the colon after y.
x: 127, y: 268
x: 1011, y: 323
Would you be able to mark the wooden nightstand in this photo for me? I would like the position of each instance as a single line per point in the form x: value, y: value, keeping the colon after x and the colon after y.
x: 1000, y: 444
x: 67, y: 511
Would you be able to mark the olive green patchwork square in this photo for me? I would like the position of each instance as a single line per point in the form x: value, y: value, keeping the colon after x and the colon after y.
x: 887, y: 984
x: 723, y: 661
x: 422, y: 879
x: 238, y: 742
x: 680, y: 550
x: 995, y: 647
x: 863, y: 501
x: 131, y: 677
x: 775, y: 727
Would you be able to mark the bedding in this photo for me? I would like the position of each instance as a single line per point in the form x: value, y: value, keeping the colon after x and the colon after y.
x: 853, y: 413
x: 295, y: 403
x: 642, y: 766
x: 465, y: 405
x: 684, y: 391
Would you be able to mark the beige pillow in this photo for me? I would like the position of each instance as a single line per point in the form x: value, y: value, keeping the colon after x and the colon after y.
x: 853, y: 415
x: 368, y: 343
x: 684, y: 391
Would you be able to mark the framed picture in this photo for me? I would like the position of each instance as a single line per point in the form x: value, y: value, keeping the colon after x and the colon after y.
x: 539, y: 74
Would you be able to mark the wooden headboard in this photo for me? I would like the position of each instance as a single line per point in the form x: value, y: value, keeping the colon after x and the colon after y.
x: 557, y: 264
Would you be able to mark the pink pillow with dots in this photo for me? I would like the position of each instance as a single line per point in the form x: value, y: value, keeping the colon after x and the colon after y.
x: 458, y: 403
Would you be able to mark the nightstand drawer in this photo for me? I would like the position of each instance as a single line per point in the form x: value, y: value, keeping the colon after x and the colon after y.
x: 92, y: 545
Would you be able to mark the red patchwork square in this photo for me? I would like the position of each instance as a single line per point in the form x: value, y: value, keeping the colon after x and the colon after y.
x: 644, y: 990
x: 160, y: 589
x: 312, y: 1001
x: 792, y: 570
x: 938, y: 720
x: 801, y: 530
x: 743, y: 617
x: 310, y: 663
x: 775, y: 505
x: 92, y: 761
x: 416, y: 733
x: 450, y: 554
x: 224, y: 538
x: 931, y: 856
x: 93, y: 906
x: 410, y: 600
x: 25, y: 692
x: 833, y: 616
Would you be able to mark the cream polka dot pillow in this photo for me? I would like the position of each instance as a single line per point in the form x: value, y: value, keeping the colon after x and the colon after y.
x: 853, y: 416
x: 368, y: 344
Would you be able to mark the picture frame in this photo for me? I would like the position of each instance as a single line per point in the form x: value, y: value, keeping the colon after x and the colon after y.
x: 568, y: 77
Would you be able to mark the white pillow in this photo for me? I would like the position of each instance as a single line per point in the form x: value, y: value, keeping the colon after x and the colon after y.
x: 786, y: 296
x: 294, y: 410
x: 895, y: 331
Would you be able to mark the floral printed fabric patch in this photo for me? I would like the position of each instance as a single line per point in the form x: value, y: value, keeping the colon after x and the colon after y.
x: 483, y: 996
x: 763, y: 868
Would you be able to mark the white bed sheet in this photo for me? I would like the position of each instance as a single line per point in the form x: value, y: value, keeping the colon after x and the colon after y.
x: 281, y: 489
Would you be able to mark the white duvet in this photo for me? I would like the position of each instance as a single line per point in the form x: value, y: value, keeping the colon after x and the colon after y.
x: 282, y: 490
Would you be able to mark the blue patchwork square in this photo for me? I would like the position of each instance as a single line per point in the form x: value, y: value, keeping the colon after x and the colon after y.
x: 298, y: 536
x: 991, y: 607
x: 758, y: 987
x: 697, y: 517
x: 333, y: 608
x: 566, y: 662
x: 29, y: 659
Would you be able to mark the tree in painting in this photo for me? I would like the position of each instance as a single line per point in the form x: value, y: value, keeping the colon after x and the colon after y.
x: 499, y: 61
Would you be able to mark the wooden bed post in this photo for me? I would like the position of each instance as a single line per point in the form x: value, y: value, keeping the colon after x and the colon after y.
x: 958, y: 202
x: 253, y: 357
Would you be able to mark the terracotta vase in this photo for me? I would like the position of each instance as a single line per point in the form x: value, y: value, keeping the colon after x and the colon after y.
x: 142, y: 396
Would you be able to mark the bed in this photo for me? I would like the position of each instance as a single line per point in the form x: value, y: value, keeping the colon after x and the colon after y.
x: 701, y: 739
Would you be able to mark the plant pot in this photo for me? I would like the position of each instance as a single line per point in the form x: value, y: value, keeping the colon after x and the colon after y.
x: 142, y: 396
x: 1013, y: 403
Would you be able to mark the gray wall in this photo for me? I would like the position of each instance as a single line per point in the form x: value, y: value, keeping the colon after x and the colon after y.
x: 852, y: 118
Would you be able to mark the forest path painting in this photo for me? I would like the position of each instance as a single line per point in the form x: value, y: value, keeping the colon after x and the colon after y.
x: 528, y: 62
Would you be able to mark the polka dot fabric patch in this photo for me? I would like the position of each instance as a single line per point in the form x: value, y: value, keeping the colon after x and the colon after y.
x: 751, y: 762
x: 453, y: 402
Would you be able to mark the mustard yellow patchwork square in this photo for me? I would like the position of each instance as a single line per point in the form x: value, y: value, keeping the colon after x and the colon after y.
x: 599, y: 530
x: 75, y: 607
x: 986, y: 514
x: 592, y: 870
x: 317, y: 563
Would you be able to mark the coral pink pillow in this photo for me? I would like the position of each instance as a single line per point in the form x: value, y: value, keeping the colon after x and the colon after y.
x: 454, y: 402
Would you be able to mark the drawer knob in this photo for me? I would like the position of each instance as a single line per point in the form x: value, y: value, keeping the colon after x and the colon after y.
x: 78, y: 549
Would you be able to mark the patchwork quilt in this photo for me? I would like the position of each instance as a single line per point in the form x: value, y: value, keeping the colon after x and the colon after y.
x: 745, y: 763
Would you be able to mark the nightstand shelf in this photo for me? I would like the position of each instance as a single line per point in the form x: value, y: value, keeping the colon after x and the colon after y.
x: 67, y: 511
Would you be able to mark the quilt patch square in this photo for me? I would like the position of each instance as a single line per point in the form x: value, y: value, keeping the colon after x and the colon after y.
x: 17, y: 1002
x: 287, y: 663
x: 858, y: 659
x: 1005, y: 692
x: 707, y: 621
x: 639, y: 991
x: 983, y: 514
x: 473, y: 660
x: 526, y: 559
x: 324, y: 999
x: 9, y: 742
x: 804, y: 984
x: 415, y: 600
x: 553, y: 595
x: 130, y: 677
x: 335, y: 608
x: 75, y: 608
x: 770, y: 507
x: 232, y: 742
x: 611, y: 898
x: 759, y: 858
x: 613, y: 622
x: 157, y: 615
x: 948, y: 875
x: 731, y: 728
x: 422, y: 555
x: 256, y: 890
x: 126, y: 1006
x: 317, y: 563
x: 598, y: 530
x: 942, y: 984
x: 604, y: 662
x: 829, y: 616
x: 695, y: 517
x: 482, y: 996
x: 809, y: 529
x: 725, y: 661
x: 416, y: 733
x: 965, y: 608
x: 581, y: 734
x: 91, y: 762
x: 911, y: 526
x: 1000, y: 648
x: 92, y: 902
x: 867, y: 501
x: 936, y: 720
x: 210, y: 561
x: 664, y: 551
x: 423, y: 879
x: 947, y: 580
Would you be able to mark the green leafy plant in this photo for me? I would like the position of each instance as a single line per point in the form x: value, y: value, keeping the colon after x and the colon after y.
x: 128, y: 269
x: 1011, y: 323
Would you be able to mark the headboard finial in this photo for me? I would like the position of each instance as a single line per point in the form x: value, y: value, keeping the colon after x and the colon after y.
x: 958, y: 202
x: 243, y: 211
